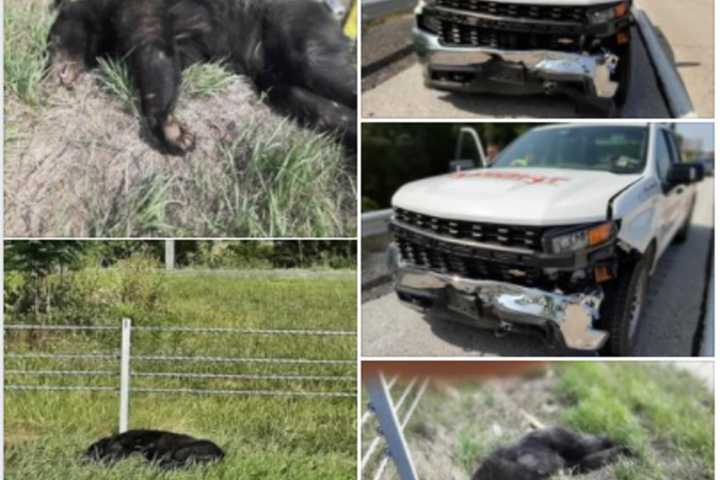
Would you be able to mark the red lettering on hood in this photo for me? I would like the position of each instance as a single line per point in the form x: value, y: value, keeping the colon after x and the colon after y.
x: 513, y: 176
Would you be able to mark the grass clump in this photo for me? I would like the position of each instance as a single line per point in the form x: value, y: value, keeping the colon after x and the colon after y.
x: 115, y: 79
x: 205, y: 80
x: 26, y: 26
x: 640, y: 407
x: 276, y: 182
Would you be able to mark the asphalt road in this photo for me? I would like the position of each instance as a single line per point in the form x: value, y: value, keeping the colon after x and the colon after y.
x: 395, y: 89
x: 672, y: 314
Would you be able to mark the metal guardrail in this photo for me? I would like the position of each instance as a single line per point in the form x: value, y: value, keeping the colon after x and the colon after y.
x: 674, y: 88
x: 374, y: 9
x: 125, y: 373
x: 391, y: 427
x: 376, y: 223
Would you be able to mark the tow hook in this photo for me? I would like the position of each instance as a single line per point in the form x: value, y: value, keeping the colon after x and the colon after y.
x: 550, y: 88
x: 503, y: 329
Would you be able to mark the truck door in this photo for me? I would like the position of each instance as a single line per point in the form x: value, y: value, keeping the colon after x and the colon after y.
x: 672, y: 204
x: 683, y: 193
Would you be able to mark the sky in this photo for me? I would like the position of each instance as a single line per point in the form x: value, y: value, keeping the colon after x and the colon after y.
x: 704, y: 131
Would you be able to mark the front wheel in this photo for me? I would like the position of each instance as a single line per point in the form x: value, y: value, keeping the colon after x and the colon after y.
x: 622, y: 310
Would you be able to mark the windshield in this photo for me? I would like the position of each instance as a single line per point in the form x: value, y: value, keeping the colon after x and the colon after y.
x: 611, y: 149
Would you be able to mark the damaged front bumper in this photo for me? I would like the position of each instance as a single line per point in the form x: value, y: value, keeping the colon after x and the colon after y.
x: 515, y: 72
x: 567, y: 318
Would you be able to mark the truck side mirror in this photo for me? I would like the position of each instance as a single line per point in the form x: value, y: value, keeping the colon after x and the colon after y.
x: 469, y: 152
x: 686, y: 173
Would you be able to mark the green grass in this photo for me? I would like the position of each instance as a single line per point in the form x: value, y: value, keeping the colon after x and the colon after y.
x: 276, y: 184
x: 641, y: 406
x: 205, y: 80
x: 26, y: 25
x: 198, y: 80
x: 115, y: 79
x: 263, y: 437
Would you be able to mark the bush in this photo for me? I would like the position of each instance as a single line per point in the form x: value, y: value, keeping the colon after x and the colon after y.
x: 138, y: 283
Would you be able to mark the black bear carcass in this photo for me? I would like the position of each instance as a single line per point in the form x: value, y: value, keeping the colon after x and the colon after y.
x: 543, y: 453
x: 293, y: 50
x: 165, y: 449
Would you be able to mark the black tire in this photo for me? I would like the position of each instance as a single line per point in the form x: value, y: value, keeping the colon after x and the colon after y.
x: 621, y: 311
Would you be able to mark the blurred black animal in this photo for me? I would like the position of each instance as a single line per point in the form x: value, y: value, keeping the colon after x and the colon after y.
x: 293, y: 50
x: 543, y: 453
x: 165, y: 449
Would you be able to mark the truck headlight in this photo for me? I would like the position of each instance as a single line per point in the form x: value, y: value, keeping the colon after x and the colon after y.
x: 604, y: 15
x: 581, y: 239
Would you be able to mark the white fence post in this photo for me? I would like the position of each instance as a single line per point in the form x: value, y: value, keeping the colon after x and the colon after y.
x: 390, y: 427
x: 125, y: 374
x: 170, y: 254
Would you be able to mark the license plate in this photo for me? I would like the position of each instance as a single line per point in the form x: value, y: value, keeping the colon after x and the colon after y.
x: 462, y: 303
x: 508, y: 74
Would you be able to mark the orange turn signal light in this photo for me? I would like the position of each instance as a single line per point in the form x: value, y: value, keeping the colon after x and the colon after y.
x: 621, y: 10
x: 623, y: 38
x: 600, y: 234
x: 602, y: 274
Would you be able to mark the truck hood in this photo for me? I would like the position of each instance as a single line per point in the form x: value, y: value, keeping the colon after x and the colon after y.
x: 515, y: 196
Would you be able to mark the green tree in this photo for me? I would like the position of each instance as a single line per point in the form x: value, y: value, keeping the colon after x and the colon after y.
x: 36, y: 260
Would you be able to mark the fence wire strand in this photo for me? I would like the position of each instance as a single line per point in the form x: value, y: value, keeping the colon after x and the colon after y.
x: 231, y: 376
x: 199, y: 330
x: 239, y: 331
x: 298, y: 361
x: 61, y: 387
x: 63, y: 373
x: 266, y: 393
x: 61, y: 327
x: 64, y: 356
x: 376, y: 441
x: 369, y: 413
x: 383, y: 464
x: 101, y: 356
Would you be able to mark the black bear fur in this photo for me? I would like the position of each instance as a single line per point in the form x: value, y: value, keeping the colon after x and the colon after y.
x: 165, y: 449
x: 544, y: 453
x: 293, y: 50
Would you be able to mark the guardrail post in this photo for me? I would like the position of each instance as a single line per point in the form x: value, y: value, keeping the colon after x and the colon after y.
x: 390, y: 426
x: 125, y: 375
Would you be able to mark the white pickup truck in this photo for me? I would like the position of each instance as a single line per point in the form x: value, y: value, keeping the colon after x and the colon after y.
x: 558, y: 236
x: 580, y: 48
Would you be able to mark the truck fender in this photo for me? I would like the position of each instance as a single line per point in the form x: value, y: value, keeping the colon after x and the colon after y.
x: 636, y: 210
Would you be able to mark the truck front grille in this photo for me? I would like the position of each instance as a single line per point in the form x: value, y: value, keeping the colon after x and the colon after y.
x: 465, y: 30
x: 514, y: 236
x: 447, y: 258
x: 469, y: 36
x: 520, y: 11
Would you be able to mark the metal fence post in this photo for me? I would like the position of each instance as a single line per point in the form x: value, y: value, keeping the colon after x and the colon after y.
x: 125, y: 374
x: 170, y: 254
x: 390, y: 426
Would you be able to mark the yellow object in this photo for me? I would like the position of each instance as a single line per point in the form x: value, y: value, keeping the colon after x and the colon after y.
x: 350, y: 27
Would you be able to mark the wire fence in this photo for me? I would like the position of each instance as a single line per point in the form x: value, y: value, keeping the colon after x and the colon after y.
x: 392, y: 419
x: 342, y: 383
